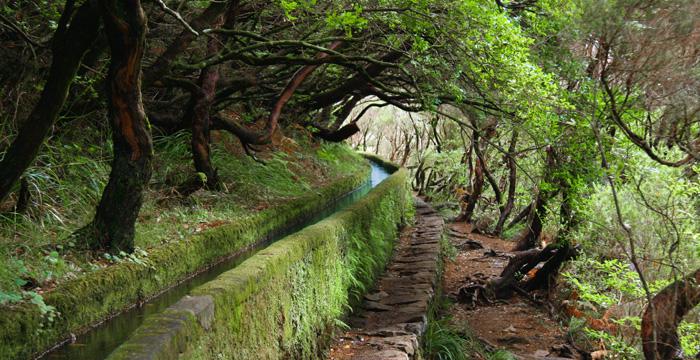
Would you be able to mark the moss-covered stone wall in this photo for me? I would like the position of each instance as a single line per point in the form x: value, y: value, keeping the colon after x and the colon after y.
x: 282, y: 302
x: 93, y: 297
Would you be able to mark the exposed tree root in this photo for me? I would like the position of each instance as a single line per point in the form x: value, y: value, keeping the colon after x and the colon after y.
x: 526, y: 271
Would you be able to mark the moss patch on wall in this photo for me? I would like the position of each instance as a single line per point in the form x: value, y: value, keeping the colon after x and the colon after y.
x: 95, y: 296
x: 282, y: 302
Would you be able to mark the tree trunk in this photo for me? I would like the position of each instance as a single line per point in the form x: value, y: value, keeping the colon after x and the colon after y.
x: 512, y: 178
x: 528, y: 238
x: 23, y: 197
x: 408, y: 140
x: 491, y: 180
x: 477, y: 182
x: 522, y: 215
x: 546, y: 276
x: 115, y: 219
x: 538, y: 211
x: 73, y: 38
x: 661, y: 318
x: 198, y: 112
x: 336, y: 135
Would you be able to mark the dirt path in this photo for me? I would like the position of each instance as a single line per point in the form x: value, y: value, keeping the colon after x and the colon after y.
x: 516, y: 325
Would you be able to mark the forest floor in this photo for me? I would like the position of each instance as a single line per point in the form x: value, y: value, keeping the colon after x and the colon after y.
x: 517, y: 325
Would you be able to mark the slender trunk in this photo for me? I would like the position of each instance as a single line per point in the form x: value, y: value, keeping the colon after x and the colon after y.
x: 670, y: 306
x: 531, y: 233
x: 199, y: 114
x: 436, y: 136
x: 74, y: 37
x: 512, y: 178
x: 23, y: 197
x: 364, y: 138
x: 407, y: 148
x: 115, y: 219
x: 491, y: 180
x: 418, y: 177
x: 477, y: 182
x: 528, y: 238
x: 201, y: 153
x: 567, y: 215
x: 522, y: 215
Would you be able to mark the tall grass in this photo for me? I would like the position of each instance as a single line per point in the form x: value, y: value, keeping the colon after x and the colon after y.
x: 441, y: 342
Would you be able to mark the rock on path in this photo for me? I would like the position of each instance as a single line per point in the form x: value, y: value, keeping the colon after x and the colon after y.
x: 392, y: 318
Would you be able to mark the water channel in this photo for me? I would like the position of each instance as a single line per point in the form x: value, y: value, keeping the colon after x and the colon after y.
x: 101, y: 340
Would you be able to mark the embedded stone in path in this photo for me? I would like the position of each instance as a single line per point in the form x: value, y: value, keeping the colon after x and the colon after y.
x: 392, y: 318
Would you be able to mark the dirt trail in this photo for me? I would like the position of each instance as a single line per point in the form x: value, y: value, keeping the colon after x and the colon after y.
x: 516, y: 325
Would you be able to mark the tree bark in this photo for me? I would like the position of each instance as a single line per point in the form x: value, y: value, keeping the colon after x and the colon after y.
x: 661, y: 318
x: 491, y: 180
x: 114, y: 224
x: 198, y: 112
x: 522, y: 215
x: 528, y: 238
x: 538, y: 210
x: 477, y: 182
x: 336, y: 135
x: 512, y: 178
x: 73, y: 38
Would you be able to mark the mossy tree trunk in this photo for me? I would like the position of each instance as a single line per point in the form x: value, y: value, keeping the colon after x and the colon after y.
x: 113, y: 226
x: 75, y: 35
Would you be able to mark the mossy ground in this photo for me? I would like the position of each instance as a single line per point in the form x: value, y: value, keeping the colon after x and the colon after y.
x: 175, y: 235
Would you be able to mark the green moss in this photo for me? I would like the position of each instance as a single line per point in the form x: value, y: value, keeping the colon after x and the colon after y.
x: 281, y: 302
x: 94, y: 296
x: 170, y: 331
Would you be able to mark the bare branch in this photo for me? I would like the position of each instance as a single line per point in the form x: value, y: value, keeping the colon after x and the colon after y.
x: 177, y: 16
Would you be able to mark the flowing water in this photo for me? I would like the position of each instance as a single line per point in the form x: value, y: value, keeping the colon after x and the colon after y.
x: 98, y: 342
